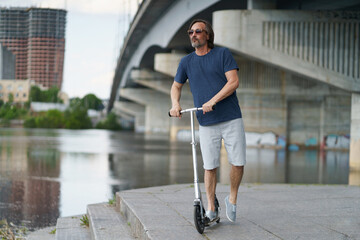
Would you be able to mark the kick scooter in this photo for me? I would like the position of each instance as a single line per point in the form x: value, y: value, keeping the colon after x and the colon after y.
x: 200, y: 219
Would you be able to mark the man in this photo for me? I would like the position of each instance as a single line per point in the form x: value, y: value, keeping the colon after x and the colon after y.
x: 213, y: 79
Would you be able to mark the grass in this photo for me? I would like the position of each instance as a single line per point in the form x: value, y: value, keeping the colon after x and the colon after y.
x: 113, y: 200
x: 84, y: 221
x: 53, y: 231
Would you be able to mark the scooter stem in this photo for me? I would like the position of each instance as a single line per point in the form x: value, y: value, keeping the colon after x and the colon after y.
x: 193, y: 143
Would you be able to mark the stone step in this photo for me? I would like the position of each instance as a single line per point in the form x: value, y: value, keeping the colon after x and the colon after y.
x: 69, y: 228
x: 47, y: 233
x: 107, y: 224
x: 164, y: 213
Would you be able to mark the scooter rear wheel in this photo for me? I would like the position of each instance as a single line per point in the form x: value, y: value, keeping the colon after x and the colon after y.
x: 199, y: 223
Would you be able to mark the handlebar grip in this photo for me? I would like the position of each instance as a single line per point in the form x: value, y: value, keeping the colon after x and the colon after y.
x: 170, y: 114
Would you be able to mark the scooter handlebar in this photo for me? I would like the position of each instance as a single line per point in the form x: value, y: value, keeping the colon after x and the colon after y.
x: 191, y: 110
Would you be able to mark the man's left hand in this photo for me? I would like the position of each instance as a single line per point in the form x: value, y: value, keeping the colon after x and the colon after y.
x: 208, y: 106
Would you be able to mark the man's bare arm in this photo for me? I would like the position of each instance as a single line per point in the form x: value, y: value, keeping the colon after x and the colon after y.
x: 175, y: 94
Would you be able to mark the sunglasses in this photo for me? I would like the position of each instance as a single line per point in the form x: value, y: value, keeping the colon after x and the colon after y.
x: 197, y: 31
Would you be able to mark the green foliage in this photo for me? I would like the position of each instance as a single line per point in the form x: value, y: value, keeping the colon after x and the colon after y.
x: 75, y: 102
x: 109, y: 123
x: 76, y: 118
x: 9, y: 111
x: 113, y: 200
x: 50, y: 95
x: 35, y: 94
x: 90, y: 101
x: 11, y: 98
x: 30, y: 122
x: 84, y: 221
x: 52, y: 119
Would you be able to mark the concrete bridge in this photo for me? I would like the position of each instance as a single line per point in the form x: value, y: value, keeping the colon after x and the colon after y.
x: 299, y: 66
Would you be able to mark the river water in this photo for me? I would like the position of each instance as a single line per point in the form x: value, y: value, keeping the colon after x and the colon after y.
x: 46, y: 174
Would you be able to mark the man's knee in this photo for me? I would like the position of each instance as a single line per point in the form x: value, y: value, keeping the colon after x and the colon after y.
x: 238, y: 167
x: 211, y: 170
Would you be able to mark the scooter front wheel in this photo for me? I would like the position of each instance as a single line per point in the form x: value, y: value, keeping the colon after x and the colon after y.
x: 199, y: 223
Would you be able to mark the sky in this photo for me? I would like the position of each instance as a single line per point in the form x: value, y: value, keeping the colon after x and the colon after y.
x: 95, y: 30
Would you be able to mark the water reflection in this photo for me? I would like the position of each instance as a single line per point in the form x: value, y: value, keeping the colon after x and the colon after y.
x: 45, y: 174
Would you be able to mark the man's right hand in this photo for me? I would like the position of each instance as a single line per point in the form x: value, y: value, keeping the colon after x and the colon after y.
x: 175, y: 111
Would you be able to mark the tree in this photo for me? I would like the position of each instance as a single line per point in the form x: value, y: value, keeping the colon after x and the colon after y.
x: 52, y: 119
x: 90, y: 101
x: 35, y: 94
x: 50, y: 95
x: 77, y: 118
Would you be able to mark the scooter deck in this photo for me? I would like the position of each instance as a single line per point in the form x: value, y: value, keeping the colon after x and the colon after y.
x: 215, y: 220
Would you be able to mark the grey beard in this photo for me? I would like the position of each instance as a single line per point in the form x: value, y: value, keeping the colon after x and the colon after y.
x: 196, y: 44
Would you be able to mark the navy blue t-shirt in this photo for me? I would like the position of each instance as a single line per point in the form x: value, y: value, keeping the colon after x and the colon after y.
x: 206, y: 76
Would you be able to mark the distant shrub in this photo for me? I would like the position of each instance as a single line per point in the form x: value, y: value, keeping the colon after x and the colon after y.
x: 30, y: 122
x: 76, y: 118
x: 109, y: 123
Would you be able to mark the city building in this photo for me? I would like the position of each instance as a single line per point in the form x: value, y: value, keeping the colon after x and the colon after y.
x: 7, y: 63
x: 36, y: 36
x: 20, y: 89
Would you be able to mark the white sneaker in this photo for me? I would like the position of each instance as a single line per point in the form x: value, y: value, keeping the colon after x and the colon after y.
x: 230, y: 210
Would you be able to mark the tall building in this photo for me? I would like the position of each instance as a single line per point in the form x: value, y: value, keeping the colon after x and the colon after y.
x: 36, y: 36
x: 7, y: 63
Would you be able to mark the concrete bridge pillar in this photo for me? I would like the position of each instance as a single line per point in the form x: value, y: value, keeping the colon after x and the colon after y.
x: 156, y: 107
x: 168, y: 63
x: 131, y: 110
x: 355, y: 133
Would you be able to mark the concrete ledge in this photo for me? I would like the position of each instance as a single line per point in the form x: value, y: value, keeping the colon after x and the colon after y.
x: 106, y: 223
x: 269, y: 211
x: 70, y: 228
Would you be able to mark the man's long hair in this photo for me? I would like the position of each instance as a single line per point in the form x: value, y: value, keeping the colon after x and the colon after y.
x: 208, y: 29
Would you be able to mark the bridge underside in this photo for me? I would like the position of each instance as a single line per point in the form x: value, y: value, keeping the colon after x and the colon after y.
x: 299, y: 76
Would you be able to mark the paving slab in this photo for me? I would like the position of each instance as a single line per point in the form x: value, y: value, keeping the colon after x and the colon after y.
x: 69, y: 228
x: 42, y: 234
x: 264, y: 211
x: 106, y: 223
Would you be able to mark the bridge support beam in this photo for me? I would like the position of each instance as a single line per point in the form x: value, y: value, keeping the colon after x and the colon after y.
x: 136, y: 111
x: 355, y: 133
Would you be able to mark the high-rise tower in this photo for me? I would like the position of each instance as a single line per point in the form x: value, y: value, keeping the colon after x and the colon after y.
x: 36, y: 36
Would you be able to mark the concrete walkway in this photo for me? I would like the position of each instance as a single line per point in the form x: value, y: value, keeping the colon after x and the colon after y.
x: 268, y: 211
